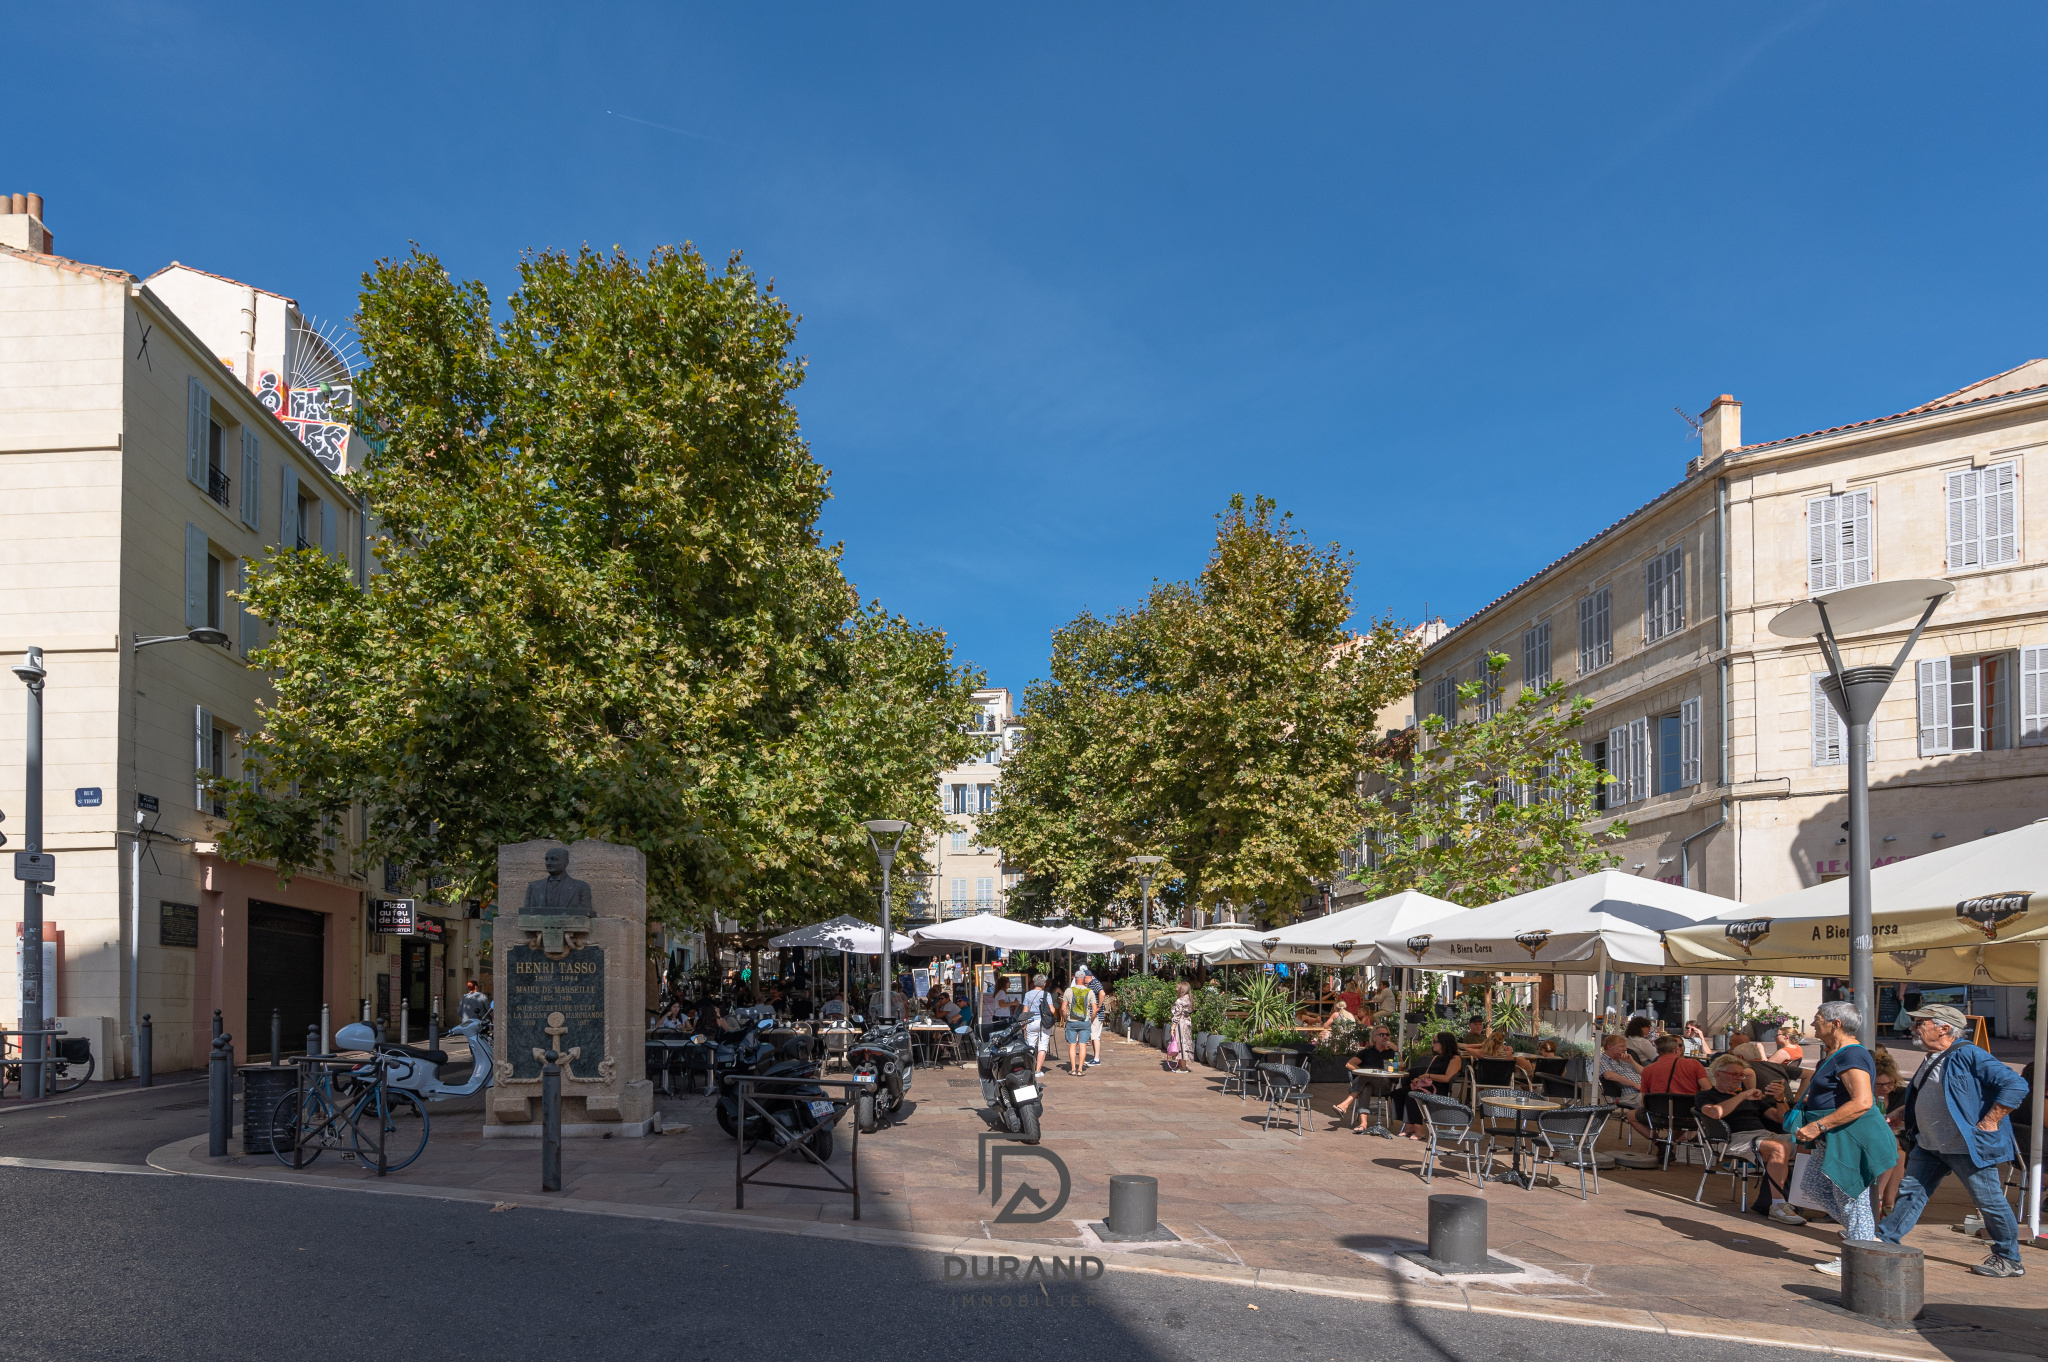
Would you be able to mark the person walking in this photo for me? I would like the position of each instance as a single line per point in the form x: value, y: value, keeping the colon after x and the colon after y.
x: 1183, y: 1027
x: 1957, y: 1121
x: 475, y: 1003
x: 1078, y: 1004
x: 1038, y: 1012
x: 1839, y: 1120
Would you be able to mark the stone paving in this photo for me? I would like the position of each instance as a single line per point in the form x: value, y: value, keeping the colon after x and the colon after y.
x: 1328, y: 1203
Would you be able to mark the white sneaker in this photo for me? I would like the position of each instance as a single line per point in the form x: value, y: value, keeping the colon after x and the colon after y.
x: 1785, y: 1215
x: 1831, y: 1268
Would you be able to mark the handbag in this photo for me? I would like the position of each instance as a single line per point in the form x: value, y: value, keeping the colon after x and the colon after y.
x: 1173, y: 1045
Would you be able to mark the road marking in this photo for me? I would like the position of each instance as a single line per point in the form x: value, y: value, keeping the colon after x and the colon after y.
x: 79, y: 1166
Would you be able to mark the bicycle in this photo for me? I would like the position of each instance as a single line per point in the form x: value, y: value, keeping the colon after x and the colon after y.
x: 71, y: 1065
x: 325, y: 1116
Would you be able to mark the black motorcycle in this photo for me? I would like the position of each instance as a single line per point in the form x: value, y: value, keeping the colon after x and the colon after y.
x: 796, y: 1111
x: 1006, y: 1063
x: 881, y: 1063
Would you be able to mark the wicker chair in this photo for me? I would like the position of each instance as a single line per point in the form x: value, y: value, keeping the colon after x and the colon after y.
x: 1239, y: 1067
x: 1714, y: 1139
x: 1287, y: 1092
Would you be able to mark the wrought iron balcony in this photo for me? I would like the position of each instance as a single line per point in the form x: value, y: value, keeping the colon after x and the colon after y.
x: 217, y: 485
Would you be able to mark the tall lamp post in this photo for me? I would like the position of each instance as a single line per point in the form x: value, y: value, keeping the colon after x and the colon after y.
x: 213, y: 638
x: 892, y: 829
x: 1144, y: 864
x: 34, y: 1045
x: 1855, y: 693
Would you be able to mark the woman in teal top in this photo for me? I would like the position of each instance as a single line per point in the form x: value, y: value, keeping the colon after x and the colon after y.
x: 1837, y: 1110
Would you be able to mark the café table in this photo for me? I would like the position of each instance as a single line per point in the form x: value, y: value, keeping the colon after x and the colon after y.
x: 670, y: 1042
x: 1379, y: 1102
x: 1523, y: 1105
x: 928, y: 1035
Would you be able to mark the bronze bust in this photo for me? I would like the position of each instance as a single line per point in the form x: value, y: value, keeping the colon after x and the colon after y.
x: 558, y: 894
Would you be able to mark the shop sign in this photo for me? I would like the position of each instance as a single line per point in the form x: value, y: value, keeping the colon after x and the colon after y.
x: 394, y: 917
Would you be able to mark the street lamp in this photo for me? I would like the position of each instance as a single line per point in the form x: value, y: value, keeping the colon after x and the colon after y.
x: 215, y: 638
x: 1144, y: 864
x: 34, y: 1045
x: 1855, y: 693
x: 891, y: 828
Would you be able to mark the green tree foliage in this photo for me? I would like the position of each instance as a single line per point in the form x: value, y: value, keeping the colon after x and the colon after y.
x: 601, y: 607
x: 1219, y: 725
x: 1476, y: 812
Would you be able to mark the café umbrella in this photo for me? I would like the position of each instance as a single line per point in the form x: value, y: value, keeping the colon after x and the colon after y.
x: 1974, y: 913
x: 1344, y: 939
x: 1606, y: 920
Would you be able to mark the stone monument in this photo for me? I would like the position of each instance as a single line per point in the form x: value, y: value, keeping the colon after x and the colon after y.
x: 571, y: 963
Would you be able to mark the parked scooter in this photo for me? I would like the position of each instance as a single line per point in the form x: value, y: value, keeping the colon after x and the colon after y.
x: 1005, y: 1062
x: 793, y: 1112
x: 881, y: 1062
x: 418, y: 1070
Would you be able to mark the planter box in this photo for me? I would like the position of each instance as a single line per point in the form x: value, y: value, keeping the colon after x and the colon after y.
x: 1763, y: 1035
x: 1205, y: 1043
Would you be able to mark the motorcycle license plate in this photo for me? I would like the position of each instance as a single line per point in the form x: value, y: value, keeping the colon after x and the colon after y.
x: 1025, y: 1093
x: 821, y: 1110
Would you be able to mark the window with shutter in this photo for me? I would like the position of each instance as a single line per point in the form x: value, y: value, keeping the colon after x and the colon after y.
x: 2033, y: 697
x: 252, y: 480
x: 1596, y: 631
x: 1617, y: 766
x: 1664, y: 595
x: 287, y: 505
x: 1489, y: 688
x: 202, y: 752
x: 1638, y: 759
x: 198, y: 415
x: 1536, y: 656
x: 196, y: 559
x: 1689, y: 742
x: 1983, y: 511
x: 1447, y: 699
x: 1827, y: 727
x: 1838, y: 541
x: 245, y: 622
x: 1933, y: 690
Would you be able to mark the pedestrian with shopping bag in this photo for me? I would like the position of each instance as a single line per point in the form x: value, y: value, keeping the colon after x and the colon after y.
x: 1844, y: 1142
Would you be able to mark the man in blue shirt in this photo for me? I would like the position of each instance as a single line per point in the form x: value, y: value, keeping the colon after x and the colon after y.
x: 1956, y: 1110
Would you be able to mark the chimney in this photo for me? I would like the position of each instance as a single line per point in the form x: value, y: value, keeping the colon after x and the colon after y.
x: 21, y: 223
x: 1720, y: 429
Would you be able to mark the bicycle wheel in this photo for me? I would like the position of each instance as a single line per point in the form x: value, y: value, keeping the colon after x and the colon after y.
x: 66, y: 1075
x: 405, y: 1129
x: 306, y: 1124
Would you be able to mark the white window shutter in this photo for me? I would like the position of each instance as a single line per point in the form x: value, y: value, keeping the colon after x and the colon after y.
x: 1585, y: 635
x: 202, y: 751
x: 1674, y: 591
x: 1822, y: 573
x: 1653, y: 597
x: 198, y: 412
x: 252, y: 480
x: 327, y: 536
x: 1638, y: 759
x: 195, y: 576
x: 1935, y: 738
x: 1962, y: 519
x: 1617, y: 766
x: 1998, y: 492
x: 1857, y: 541
x: 2033, y: 697
x: 1827, y: 744
x: 1689, y: 742
x: 288, y: 505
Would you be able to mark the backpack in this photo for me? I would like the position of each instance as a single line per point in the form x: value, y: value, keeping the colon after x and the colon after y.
x: 1046, y: 1019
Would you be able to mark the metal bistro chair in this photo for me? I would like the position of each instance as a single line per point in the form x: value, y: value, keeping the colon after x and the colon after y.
x: 1714, y: 1138
x: 1450, y: 1135
x: 837, y: 1043
x: 1481, y: 1074
x: 1549, y: 1080
x: 1286, y: 1091
x: 1667, y: 1113
x: 1498, y: 1122
x: 1568, y: 1137
x: 1239, y: 1068
x: 1614, y: 1093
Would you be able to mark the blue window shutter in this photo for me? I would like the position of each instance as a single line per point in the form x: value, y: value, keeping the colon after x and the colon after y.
x: 198, y: 411
x: 252, y: 480
x: 288, y: 505
x: 195, y: 576
x: 246, y: 623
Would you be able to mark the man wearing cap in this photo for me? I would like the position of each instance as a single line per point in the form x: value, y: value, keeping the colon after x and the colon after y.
x: 1956, y: 1110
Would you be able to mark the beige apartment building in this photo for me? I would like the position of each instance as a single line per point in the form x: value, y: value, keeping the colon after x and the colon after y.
x: 1728, y: 763
x: 969, y: 877
x: 157, y: 436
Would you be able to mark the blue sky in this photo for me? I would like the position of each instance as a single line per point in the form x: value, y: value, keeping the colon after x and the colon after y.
x: 1434, y: 277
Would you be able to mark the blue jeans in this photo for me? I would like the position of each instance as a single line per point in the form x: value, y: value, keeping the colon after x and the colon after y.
x: 1925, y: 1169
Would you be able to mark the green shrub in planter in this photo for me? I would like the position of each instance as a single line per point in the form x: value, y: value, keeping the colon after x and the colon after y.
x: 1209, y: 1010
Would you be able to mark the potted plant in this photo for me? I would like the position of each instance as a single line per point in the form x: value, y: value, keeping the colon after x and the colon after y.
x: 1765, y: 1022
x: 1208, y: 1022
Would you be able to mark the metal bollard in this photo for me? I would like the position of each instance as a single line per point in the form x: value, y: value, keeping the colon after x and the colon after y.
x: 1457, y: 1230
x: 220, y: 1092
x: 405, y: 1021
x: 145, y: 1053
x: 434, y: 1024
x: 216, y: 1023
x: 551, y: 1124
x: 1133, y: 1204
x: 326, y: 1029
x: 1884, y: 1282
x: 365, y: 1009
x: 313, y: 1045
x: 276, y: 1036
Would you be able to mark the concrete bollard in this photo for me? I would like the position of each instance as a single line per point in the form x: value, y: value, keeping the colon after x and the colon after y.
x: 220, y: 1094
x: 325, y: 1030
x: 1133, y: 1204
x: 551, y: 1124
x: 313, y: 1046
x: 1884, y: 1282
x: 434, y: 1024
x: 1457, y: 1229
x: 145, y: 1053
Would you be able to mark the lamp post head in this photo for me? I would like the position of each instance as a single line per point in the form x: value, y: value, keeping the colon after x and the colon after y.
x: 212, y: 637
x: 891, y: 828
x: 30, y: 668
x: 1855, y: 609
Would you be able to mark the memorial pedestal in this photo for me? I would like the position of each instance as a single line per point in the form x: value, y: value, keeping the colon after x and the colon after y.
x: 575, y: 983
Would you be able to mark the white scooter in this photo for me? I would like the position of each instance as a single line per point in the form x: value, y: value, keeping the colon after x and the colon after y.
x: 417, y: 1070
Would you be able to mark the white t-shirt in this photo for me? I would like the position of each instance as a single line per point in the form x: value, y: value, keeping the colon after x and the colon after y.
x: 1031, y: 1015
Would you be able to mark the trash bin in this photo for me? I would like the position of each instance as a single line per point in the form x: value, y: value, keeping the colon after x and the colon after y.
x: 262, y: 1089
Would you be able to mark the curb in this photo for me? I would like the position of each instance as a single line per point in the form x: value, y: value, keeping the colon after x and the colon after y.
x: 176, y: 1158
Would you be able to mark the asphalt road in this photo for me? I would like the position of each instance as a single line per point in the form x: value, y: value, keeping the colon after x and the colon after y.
x: 117, y: 1127
x: 189, y: 1268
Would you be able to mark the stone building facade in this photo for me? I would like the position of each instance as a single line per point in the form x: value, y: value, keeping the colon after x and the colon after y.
x: 1729, y: 767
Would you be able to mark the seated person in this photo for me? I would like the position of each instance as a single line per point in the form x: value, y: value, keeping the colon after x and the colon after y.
x: 1475, y: 1041
x: 1353, y: 1000
x: 1752, y: 1119
x: 1545, y: 1049
x: 1617, y: 1069
x: 835, y: 1006
x: 945, y: 1009
x: 1495, y: 1046
x: 1673, y: 1071
x: 709, y: 1023
x: 1371, y: 1049
x: 1340, y: 1022
x: 1695, y: 1038
x: 671, y: 1018
x: 1642, y: 1044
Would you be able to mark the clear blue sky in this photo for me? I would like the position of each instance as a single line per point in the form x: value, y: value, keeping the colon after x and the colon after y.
x: 1434, y: 277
